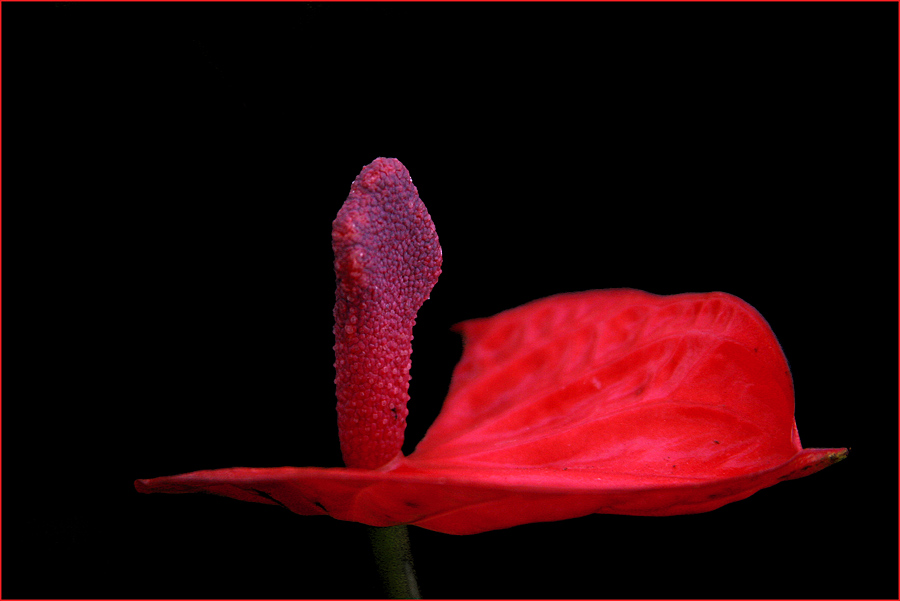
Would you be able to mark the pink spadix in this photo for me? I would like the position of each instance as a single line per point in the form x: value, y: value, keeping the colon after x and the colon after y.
x: 387, y: 259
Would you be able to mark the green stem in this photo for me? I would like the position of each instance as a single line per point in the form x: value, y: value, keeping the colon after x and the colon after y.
x: 394, y: 561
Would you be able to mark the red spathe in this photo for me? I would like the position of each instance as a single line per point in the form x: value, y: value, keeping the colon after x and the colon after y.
x: 609, y: 401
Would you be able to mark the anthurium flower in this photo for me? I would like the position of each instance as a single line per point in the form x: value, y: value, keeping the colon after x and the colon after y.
x: 606, y: 401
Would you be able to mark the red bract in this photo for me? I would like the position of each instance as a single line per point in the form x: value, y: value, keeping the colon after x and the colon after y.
x: 610, y: 401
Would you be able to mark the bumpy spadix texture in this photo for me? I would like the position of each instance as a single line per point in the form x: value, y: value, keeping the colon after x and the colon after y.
x: 608, y: 401
x: 386, y: 259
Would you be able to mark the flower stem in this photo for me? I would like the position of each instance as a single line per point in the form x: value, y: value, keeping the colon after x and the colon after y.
x: 394, y: 561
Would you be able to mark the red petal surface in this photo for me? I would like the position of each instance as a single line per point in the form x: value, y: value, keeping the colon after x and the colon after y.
x: 613, y: 401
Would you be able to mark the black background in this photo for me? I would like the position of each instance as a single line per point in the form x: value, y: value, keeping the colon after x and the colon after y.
x: 171, y: 172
